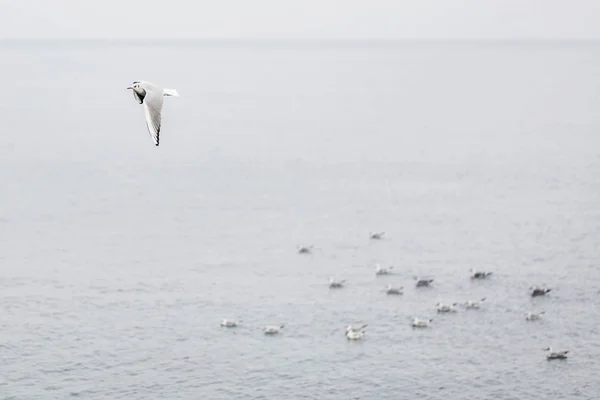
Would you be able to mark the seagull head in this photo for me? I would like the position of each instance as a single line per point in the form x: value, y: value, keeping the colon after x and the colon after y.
x: 134, y: 85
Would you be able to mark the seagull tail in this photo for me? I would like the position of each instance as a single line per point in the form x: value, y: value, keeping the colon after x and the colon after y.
x: 170, y: 92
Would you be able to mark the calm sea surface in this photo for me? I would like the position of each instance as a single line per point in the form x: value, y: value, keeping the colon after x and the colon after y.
x: 118, y: 259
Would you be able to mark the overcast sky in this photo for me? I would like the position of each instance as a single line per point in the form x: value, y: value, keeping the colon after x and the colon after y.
x: 283, y: 19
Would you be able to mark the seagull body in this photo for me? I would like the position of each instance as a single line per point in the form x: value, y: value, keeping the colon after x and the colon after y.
x: 272, y: 329
x: 474, y: 304
x: 555, y: 355
x: 355, y: 335
x: 421, y: 323
x: 479, y: 274
x: 305, y: 249
x: 379, y: 270
x: 445, y: 308
x: 377, y: 235
x: 531, y: 316
x: 537, y: 291
x: 423, y: 282
x: 151, y: 96
x: 228, y: 323
x: 336, y: 284
x: 393, y: 290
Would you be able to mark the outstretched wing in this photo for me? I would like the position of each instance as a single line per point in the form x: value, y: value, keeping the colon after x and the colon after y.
x: 153, y: 102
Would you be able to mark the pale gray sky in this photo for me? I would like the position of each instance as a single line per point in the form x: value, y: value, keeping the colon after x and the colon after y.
x: 283, y: 19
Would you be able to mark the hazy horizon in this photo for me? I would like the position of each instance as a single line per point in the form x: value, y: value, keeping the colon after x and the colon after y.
x: 158, y: 40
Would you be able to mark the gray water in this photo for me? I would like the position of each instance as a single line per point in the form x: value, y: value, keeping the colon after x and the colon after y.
x: 118, y: 259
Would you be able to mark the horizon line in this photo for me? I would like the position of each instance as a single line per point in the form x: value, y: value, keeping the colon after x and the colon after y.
x: 302, y: 40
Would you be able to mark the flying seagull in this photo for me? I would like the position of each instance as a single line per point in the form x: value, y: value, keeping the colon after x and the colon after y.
x: 151, y: 96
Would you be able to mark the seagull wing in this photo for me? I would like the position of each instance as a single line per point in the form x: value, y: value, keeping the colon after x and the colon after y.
x: 153, y: 102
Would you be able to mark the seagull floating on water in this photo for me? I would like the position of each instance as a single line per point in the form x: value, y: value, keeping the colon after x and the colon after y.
x: 531, y: 316
x: 538, y: 291
x: 445, y: 308
x: 555, y: 355
x: 228, y: 323
x: 355, y: 335
x: 421, y: 323
x: 474, y: 304
x: 377, y: 235
x: 392, y: 290
x: 272, y: 329
x: 151, y: 96
x: 379, y: 270
x: 423, y: 282
x: 336, y: 284
x: 305, y: 249
x: 479, y: 274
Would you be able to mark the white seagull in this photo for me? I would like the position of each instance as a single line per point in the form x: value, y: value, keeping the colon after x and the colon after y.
x: 379, y: 270
x: 474, y: 304
x: 273, y: 329
x: 421, y: 323
x: 355, y: 335
x: 228, y: 323
x: 422, y: 282
x: 394, y: 290
x: 151, y: 96
x: 445, y: 308
x: 555, y: 355
x: 479, y: 274
x: 531, y: 316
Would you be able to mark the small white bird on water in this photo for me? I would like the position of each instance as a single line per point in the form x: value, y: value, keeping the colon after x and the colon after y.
x: 474, y: 304
x: 423, y: 282
x: 421, y: 323
x: 446, y: 308
x: 355, y: 335
x: 273, y: 329
x: 394, y: 290
x: 228, y: 323
x: 479, y: 274
x: 151, y: 96
x: 531, y: 316
x: 555, y: 355
x: 536, y: 291
x: 379, y: 270
x: 355, y: 332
